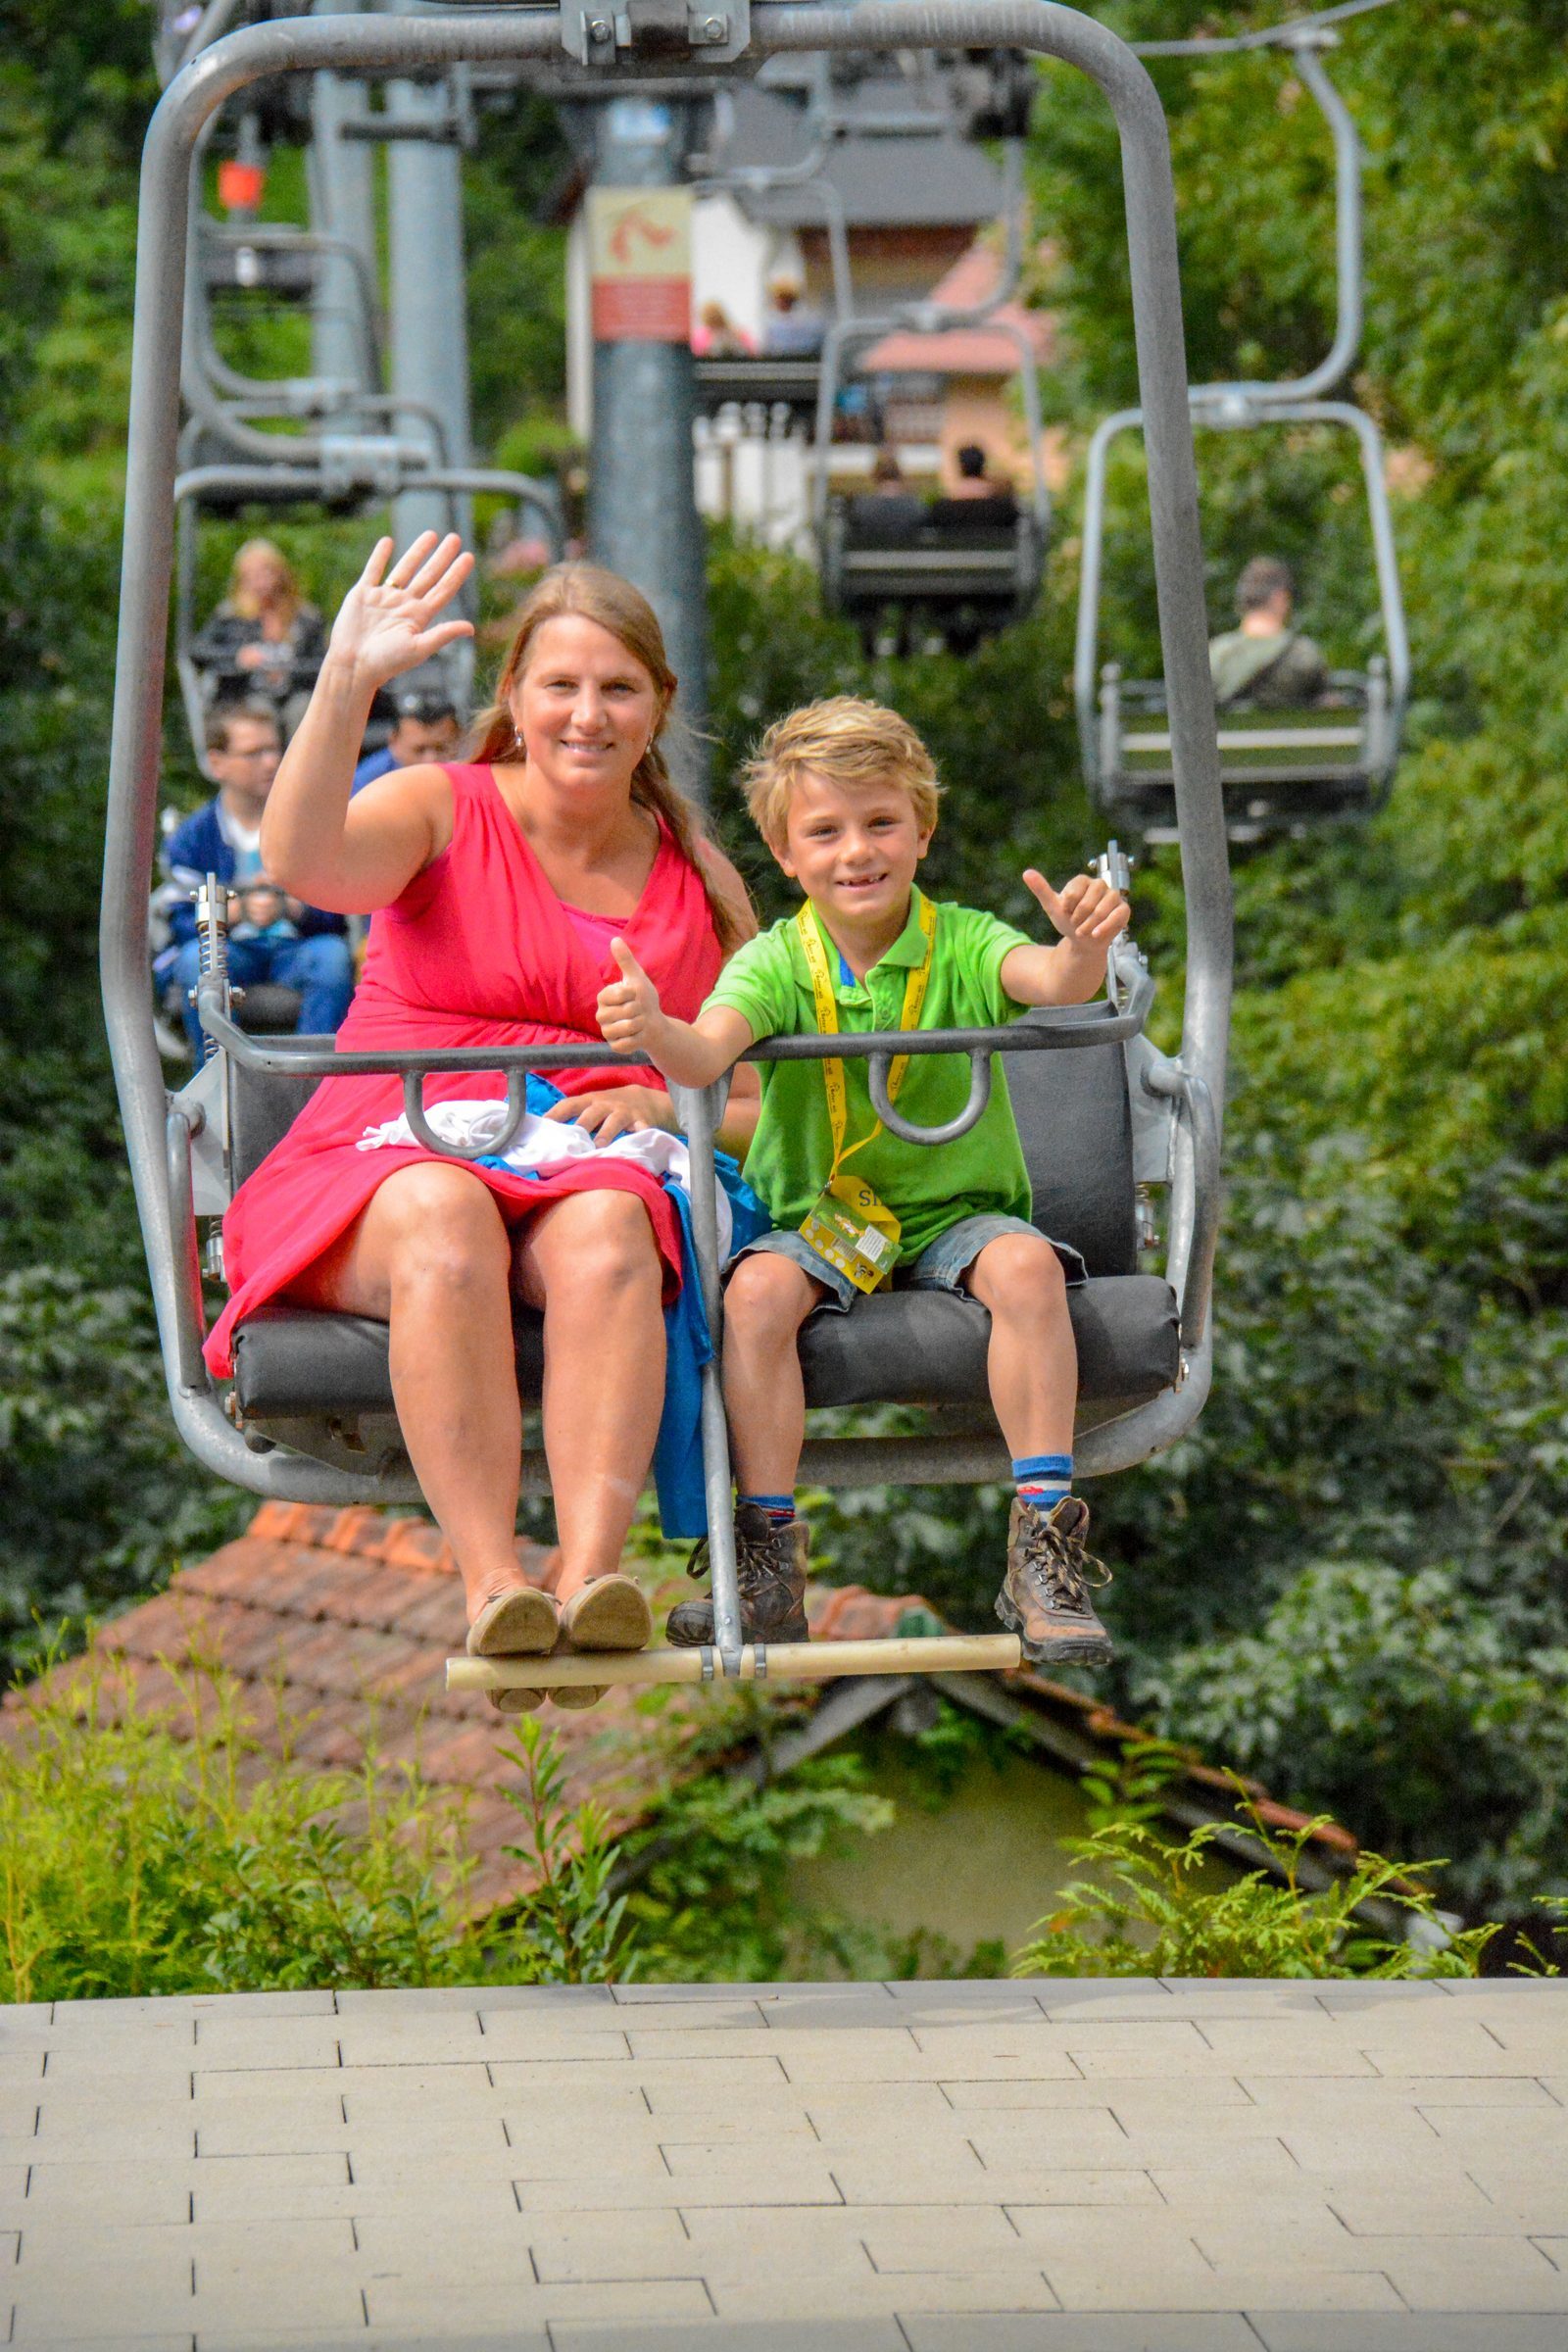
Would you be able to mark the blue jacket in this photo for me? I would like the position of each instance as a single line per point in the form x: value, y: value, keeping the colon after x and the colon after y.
x: 373, y: 764
x: 197, y: 849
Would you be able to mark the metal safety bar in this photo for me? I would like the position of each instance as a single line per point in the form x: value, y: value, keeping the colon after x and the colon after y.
x: 398, y: 45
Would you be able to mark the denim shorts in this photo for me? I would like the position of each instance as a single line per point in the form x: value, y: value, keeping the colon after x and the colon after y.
x: 940, y: 1265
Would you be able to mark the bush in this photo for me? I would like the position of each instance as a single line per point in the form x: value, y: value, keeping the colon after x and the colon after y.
x: 1154, y: 1908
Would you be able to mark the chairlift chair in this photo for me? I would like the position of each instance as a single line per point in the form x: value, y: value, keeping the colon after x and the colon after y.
x: 309, y: 1416
x: 982, y: 575
x: 1280, y: 770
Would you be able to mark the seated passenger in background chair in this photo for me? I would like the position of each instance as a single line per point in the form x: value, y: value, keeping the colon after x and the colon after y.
x: 1265, y: 661
x: 890, y: 508
x: 977, y: 497
x: 715, y: 336
x: 790, y: 331
x: 298, y: 947
x: 263, y: 641
x: 845, y: 795
x: 425, y: 727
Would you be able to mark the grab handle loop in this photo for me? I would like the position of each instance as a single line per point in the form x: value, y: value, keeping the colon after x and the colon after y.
x: 425, y: 1133
x: 908, y: 1132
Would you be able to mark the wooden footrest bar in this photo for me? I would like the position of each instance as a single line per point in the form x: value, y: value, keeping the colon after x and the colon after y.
x: 773, y: 1662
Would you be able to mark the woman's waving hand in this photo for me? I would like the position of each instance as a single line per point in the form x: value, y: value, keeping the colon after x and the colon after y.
x: 389, y: 624
x: 356, y: 857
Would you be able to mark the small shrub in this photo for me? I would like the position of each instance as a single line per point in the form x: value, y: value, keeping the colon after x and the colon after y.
x: 1153, y: 1907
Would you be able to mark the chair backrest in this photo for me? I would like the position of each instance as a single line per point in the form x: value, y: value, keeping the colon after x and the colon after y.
x: 1075, y: 1125
x: 262, y: 1108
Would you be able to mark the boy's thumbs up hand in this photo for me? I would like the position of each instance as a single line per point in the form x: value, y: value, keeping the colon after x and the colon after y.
x: 629, y: 1007
x: 1088, y: 913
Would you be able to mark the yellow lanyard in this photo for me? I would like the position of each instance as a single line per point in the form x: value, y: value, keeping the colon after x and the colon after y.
x: 827, y: 1021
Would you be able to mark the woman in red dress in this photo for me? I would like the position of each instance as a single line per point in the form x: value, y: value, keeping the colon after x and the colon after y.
x: 494, y: 889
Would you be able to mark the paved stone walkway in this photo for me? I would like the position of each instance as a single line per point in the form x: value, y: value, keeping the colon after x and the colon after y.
x: 1064, y: 2167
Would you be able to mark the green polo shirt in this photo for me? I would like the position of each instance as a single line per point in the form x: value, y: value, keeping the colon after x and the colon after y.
x: 927, y: 1187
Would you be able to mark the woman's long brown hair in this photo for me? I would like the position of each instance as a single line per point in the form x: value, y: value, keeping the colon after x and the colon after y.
x: 588, y: 591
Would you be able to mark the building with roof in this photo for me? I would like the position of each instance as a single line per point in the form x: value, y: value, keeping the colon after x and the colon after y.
x: 911, y: 204
x: 335, y: 1624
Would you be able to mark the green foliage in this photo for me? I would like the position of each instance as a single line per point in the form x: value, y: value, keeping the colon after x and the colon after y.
x: 1153, y: 1907
x: 711, y: 1897
x: 569, y: 1929
x: 98, y: 1498
x: 135, y: 1862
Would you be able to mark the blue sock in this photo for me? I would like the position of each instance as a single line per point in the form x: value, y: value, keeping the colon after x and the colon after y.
x: 780, y: 1508
x: 1042, y: 1479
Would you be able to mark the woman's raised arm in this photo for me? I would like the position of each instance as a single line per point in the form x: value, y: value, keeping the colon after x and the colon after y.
x: 352, y: 859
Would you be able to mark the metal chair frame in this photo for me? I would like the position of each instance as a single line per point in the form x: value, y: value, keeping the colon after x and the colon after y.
x: 1185, y: 1091
x: 1299, y: 791
x: 1292, y: 787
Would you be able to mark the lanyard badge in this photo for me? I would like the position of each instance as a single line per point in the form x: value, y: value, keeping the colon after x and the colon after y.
x: 848, y: 1224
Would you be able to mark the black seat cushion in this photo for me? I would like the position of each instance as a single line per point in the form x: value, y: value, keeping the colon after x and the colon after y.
x: 898, y: 1347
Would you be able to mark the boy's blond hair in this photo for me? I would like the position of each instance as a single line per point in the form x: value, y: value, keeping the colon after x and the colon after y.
x: 850, y: 741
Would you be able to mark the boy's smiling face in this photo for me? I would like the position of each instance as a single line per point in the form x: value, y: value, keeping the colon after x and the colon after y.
x: 853, y: 849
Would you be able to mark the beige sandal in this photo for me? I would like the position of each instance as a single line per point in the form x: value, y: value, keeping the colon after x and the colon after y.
x: 516, y: 1703
x: 521, y: 1622
x: 610, y: 1613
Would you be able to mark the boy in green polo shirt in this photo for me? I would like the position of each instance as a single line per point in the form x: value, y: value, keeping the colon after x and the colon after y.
x: 844, y: 793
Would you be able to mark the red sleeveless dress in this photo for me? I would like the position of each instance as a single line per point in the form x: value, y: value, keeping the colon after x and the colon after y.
x: 478, y: 950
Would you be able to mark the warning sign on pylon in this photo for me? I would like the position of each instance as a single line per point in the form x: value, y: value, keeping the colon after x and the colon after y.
x: 640, y: 248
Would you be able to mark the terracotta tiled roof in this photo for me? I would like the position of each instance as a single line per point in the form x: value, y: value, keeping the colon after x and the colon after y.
x: 964, y: 350
x: 336, y: 1626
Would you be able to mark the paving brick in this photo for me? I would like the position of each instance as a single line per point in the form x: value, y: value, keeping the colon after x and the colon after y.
x: 105, y: 2134
x: 67, y: 2336
x: 264, y: 2188
x: 1018, y: 2288
x: 266, y: 2130
x: 412, y: 2038
x: 456, y: 2310
x: 1187, y: 2094
x: 932, y: 2237
x: 582, y: 2080
x: 1434, y: 2273
x: 1157, y: 2048
x: 716, y: 2131
x: 653, y: 2244
x: 917, y: 2005
x: 867, y: 2181
x: 12, y: 2192
x: 265, y: 2041
x: 94, y: 2293
x: 1029, y: 2137
x: 881, y: 2335
x: 1079, y: 2332
x: 110, y: 2194
x: 481, y: 2154
x: 1393, y: 2208
x: 655, y: 2016
x: 1406, y: 2331
x: 1157, y: 2286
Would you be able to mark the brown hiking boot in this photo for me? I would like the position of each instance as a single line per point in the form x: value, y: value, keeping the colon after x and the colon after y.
x: 769, y: 1569
x: 1045, y: 1594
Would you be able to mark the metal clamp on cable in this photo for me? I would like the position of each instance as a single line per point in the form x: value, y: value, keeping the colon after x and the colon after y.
x: 599, y: 32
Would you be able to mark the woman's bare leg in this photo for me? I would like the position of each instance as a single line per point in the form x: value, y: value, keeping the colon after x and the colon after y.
x: 431, y: 1257
x: 590, y: 1261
